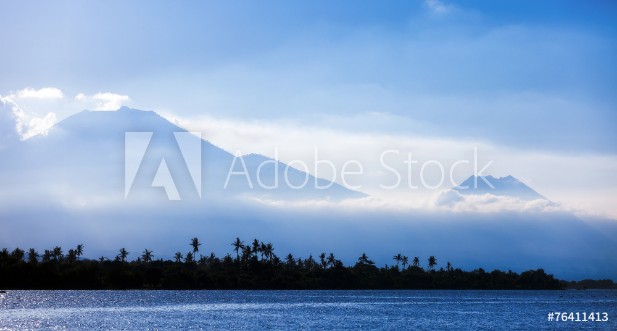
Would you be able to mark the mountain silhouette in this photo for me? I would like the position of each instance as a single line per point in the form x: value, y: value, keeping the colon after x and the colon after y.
x: 86, y: 153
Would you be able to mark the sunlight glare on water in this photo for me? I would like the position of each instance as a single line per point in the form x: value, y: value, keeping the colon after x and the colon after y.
x: 300, y: 309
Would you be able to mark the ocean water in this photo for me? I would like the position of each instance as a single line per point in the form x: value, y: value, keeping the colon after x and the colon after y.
x: 345, y: 310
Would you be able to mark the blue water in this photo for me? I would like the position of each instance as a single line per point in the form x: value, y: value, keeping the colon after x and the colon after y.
x: 254, y: 310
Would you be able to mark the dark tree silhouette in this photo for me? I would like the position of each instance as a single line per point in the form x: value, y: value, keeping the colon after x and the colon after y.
x: 238, y: 246
x: 33, y: 256
x: 47, y: 255
x: 256, y: 247
x: 122, y: 254
x: 364, y: 260
x: 398, y: 258
x: 247, y: 252
x: 290, y: 261
x: 262, y: 250
x: 18, y: 254
x: 331, y: 260
x: 322, y: 260
x: 146, y: 256
x: 432, y: 262
x: 56, y: 271
x: 269, y: 252
x: 57, y: 253
x: 310, y: 262
x: 195, y: 243
x: 79, y: 251
x: 71, y: 255
x: 178, y: 257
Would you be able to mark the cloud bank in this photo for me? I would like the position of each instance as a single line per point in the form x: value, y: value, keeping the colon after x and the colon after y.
x: 20, y: 125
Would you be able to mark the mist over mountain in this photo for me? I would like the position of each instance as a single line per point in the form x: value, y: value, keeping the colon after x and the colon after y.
x: 503, y: 186
x: 68, y: 187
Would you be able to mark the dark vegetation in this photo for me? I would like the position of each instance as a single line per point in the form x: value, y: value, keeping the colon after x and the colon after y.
x: 253, y: 265
x: 591, y: 284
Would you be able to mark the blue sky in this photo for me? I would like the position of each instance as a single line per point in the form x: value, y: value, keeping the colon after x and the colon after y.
x: 532, y: 80
x: 543, y: 67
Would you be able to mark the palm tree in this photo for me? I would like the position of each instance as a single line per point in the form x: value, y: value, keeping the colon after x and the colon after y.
x: 33, y: 256
x: 432, y: 262
x: 123, y: 254
x: 322, y: 259
x: 269, y: 252
x: 72, y: 255
x: 246, y: 253
x: 290, y: 260
x: 416, y: 262
x: 262, y: 250
x: 178, y: 257
x: 331, y: 260
x: 310, y: 262
x: 57, y: 253
x: 195, y: 243
x: 256, y: 247
x: 404, y: 261
x: 238, y: 245
x: 398, y: 258
x: 189, y: 257
x: 47, y: 255
x: 79, y: 250
x: 364, y: 260
x: 449, y: 266
x: 18, y: 254
x: 146, y: 256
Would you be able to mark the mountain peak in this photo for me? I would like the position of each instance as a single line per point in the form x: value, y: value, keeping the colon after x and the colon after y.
x: 502, y: 186
x: 89, y: 123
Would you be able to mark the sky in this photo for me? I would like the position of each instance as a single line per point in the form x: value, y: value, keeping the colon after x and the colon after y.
x: 528, y: 84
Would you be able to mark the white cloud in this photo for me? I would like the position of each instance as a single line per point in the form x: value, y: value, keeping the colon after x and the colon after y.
x: 43, y: 93
x: 25, y: 125
x: 105, y: 101
x: 40, y: 125
x: 448, y: 201
x: 451, y: 200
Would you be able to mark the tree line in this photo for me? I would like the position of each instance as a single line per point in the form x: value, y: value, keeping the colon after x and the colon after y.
x: 254, y: 265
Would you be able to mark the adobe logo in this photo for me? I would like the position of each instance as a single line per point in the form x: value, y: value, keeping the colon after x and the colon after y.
x: 184, y: 154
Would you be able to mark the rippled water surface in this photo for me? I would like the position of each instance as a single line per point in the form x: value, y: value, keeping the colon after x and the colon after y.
x: 301, y: 309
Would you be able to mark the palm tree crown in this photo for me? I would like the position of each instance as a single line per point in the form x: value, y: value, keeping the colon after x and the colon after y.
x: 147, y: 255
x: 238, y: 246
x: 432, y: 262
x: 195, y: 243
x: 123, y: 254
